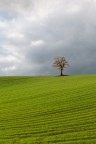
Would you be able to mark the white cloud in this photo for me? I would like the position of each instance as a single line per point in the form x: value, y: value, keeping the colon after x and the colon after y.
x: 15, y: 35
x: 3, y: 25
x: 73, y: 9
x: 38, y: 43
x: 10, y: 68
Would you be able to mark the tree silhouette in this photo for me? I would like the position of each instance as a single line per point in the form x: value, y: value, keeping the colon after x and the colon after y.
x: 60, y: 63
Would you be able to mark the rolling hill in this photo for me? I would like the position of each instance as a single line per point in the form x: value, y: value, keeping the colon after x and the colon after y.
x: 48, y: 110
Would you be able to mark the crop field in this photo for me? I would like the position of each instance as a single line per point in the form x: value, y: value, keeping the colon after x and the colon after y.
x: 48, y: 109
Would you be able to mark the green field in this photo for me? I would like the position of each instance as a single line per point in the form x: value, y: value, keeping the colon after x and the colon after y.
x: 48, y: 110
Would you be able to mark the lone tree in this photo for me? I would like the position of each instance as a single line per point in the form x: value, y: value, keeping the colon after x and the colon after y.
x: 60, y: 63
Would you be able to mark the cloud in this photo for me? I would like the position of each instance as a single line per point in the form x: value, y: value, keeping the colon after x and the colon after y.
x: 33, y: 32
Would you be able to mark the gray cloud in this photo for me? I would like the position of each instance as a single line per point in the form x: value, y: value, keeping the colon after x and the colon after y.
x: 33, y: 33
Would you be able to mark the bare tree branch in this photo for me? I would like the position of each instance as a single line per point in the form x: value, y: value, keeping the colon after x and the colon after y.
x: 60, y: 63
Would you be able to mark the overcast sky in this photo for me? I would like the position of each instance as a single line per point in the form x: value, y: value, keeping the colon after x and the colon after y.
x: 33, y: 32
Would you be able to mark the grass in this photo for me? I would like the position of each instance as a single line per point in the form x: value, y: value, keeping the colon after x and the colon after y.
x: 48, y: 110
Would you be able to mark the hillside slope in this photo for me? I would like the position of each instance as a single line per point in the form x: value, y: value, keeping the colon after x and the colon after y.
x: 48, y: 110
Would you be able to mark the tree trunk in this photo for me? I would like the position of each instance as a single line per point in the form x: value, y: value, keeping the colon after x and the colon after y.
x: 61, y: 72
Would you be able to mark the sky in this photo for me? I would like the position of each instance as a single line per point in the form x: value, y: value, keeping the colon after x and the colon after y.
x: 34, y: 32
